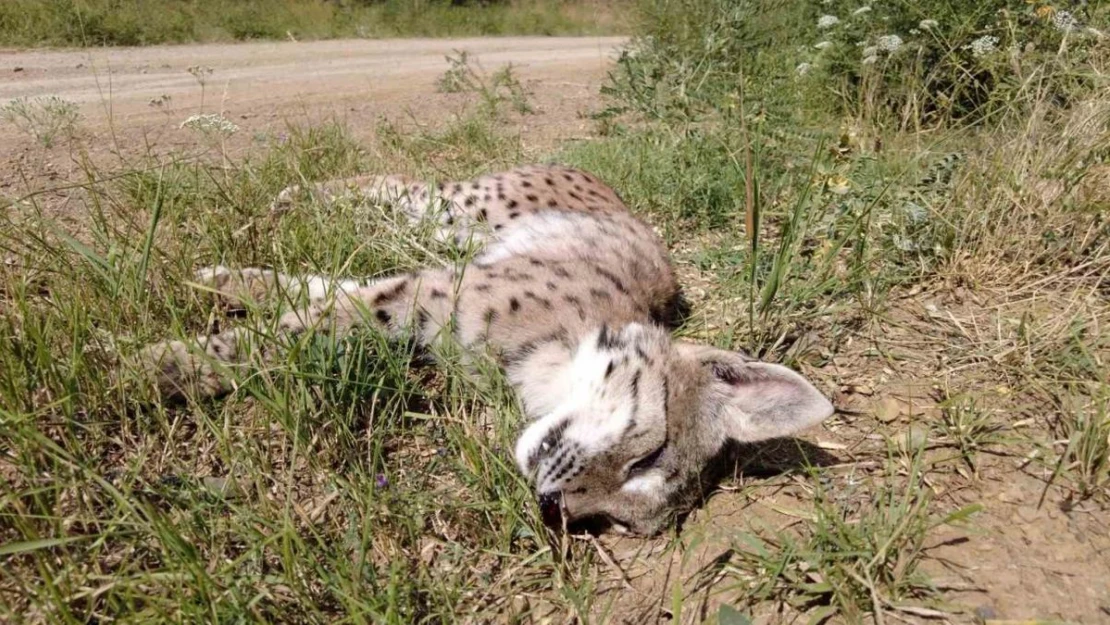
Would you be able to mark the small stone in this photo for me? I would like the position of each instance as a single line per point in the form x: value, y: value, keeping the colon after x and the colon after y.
x: 17, y: 69
x: 985, y: 612
x: 222, y: 486
x: 861, y: 389
x: 888, y: 410
x: 916, y: 437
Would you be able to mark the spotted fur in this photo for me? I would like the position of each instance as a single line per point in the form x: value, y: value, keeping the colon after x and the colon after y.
x: 576, y: 297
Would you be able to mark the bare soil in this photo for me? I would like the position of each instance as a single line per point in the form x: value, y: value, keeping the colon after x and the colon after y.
x: 133, y: 100
x: 1021, y: 560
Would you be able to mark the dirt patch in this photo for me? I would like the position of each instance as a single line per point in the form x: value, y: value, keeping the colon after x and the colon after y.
x: 133, y: 100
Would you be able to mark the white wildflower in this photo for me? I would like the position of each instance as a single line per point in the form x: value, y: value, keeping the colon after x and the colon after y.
x: 871, y: 51
x: 823, y: 45
x: 862, y: 10
x: 210, y: 122
x: 905, y: 244
x: 915, y: 213
x: 915, y: 32
x: 983, y: 46
x: 1064, y: 21
x: 803, y: 68
x: 870, y: 60
x: 827, y: 21
x: 890, y: 43
x: 927, y: 24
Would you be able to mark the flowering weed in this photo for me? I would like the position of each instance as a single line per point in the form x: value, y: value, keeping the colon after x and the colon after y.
x: 45, y: 118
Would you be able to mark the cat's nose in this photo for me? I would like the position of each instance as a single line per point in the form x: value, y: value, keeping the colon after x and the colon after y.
x: 551, y: 509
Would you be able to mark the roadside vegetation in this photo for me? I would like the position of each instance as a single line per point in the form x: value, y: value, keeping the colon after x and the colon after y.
x: 30, y: 23
x: 906, y: 202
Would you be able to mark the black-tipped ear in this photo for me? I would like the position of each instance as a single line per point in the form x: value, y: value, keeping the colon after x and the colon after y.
x: 753, y: 401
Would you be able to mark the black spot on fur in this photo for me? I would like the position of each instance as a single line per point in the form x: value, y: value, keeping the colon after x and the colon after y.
x: 390, y: 295
x: 470, y: 199
x: 536, y: 262
x: 474, y: 185
x: 549, y: 181
x: 666, y: 397
x: 553, y: 440
x: 606, y: 339
x: 600, y: 294
x: 438, y: 294
x: 529, y: 347
x: 383, y: 316
x: 552, y: 203
x: 611, y: 277
x: 577, y: 303
x: 543, y: 301
x: 514, y: 304
x: 575, y: 196
x: 457, y: 188
x: 512, y: 204
x: 421, y: 320
x: 525, y: 184
x: 551, y: 286
x: 482, y: 288
x: 482, y: 215
x: 610, y: 368
x: 532, y: 198
x: 561, y: 272
x: 514, y: 215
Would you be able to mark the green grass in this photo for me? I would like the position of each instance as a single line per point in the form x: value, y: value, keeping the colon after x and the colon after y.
x: 343, y: 484
x: 146, y: 22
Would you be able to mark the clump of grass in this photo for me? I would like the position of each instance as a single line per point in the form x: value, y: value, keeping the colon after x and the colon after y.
x: 44, y: 118
x: 472, y: 143
x: 1085, y: 436
x: 858, y: 553
x: 970, y: 428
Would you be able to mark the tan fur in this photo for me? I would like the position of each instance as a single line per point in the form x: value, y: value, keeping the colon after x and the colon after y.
x: 574, y: 295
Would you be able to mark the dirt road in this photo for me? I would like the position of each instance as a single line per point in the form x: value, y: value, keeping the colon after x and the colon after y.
x: 150, y: 90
